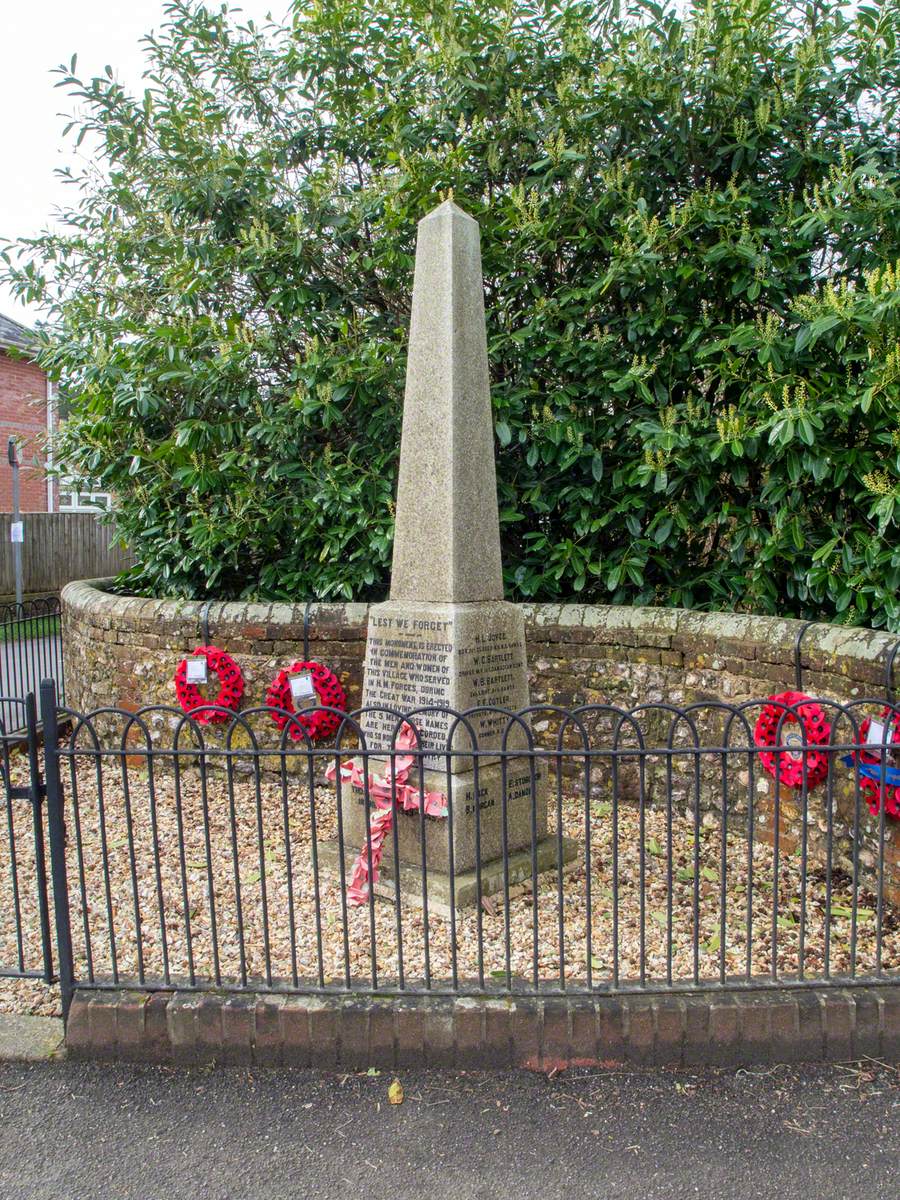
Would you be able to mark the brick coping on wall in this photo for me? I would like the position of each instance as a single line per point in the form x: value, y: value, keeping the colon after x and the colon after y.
x: 356, y: 1033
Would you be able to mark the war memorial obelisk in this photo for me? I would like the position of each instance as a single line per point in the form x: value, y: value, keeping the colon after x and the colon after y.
x: 446, y: 637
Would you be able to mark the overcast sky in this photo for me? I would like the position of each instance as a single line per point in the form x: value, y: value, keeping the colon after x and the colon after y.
x: 35, y: 37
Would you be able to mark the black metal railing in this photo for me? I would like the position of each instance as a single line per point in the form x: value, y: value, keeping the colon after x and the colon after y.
x: 27, y: 950
x: 30, y: 650
x: 657, y: 849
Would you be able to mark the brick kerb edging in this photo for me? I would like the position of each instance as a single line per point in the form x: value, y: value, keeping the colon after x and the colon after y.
x: 355, y: 1033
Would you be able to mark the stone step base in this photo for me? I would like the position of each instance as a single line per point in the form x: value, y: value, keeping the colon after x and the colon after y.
x: 520, y: 873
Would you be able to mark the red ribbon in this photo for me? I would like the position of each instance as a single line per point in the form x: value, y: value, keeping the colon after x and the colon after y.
x: 383, y: 790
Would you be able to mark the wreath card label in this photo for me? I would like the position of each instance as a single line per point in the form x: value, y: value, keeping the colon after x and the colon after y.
x: 196, y: 669
x: 303, y: 690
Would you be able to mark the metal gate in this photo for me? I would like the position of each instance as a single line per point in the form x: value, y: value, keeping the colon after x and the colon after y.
x: 30, y: 651
x: 27, y: 949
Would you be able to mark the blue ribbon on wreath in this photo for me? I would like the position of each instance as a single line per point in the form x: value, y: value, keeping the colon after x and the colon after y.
x: 880, y: 774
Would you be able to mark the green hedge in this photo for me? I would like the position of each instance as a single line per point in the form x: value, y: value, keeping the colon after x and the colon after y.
x: 690, y: 243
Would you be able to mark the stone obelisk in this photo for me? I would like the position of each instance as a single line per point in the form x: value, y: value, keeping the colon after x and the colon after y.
x: 446, y: 639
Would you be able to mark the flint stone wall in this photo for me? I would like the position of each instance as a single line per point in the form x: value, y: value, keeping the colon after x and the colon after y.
x: 123, y: 651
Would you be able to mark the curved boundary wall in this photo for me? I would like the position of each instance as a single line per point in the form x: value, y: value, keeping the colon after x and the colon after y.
x: 123, y: 651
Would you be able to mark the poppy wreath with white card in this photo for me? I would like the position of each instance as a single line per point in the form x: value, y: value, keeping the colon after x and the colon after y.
x: 878, y: 785
x: 791, y: 764
x: 188, y: 681
x: 306, y: 684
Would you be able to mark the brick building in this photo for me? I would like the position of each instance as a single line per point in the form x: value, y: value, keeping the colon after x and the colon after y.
x: 26, y: 413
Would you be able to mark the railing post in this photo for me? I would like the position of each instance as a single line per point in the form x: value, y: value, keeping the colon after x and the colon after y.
x: 38, y: 792
x: 57, y: 829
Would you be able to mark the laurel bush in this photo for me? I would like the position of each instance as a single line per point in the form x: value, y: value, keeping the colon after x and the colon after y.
x: 692, y: 268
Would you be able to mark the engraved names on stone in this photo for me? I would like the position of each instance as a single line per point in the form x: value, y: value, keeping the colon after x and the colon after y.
x: 490, y: 672
x: 414, y: 663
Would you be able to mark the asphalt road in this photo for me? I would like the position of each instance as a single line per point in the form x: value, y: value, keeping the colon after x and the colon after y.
x: 75, y: 1132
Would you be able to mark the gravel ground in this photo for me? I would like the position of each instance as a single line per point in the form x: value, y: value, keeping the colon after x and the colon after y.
x: 265, y: 913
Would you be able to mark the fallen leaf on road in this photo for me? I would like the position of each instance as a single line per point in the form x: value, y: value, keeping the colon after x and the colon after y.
x: 395, y: 1092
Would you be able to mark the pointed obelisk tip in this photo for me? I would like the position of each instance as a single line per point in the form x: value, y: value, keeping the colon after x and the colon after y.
x: 447, y: 528
x: 449, y: 208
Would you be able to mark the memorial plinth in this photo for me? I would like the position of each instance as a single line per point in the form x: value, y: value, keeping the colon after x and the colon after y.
x: 442, y: 659
x: 446, y: 639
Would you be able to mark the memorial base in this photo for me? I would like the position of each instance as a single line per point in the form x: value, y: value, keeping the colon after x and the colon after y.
x: 464, y: 892
x: 523, y: 784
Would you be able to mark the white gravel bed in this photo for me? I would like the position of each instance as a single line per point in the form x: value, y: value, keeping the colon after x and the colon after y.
x: 132, y: 888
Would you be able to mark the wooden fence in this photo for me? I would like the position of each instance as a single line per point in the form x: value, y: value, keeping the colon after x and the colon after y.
x: 59, y: 547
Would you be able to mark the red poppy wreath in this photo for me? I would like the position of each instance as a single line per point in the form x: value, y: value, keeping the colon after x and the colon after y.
x: 870, y: 782
x: 317, y: 723
x: 789, y: 765
x: 231, y: 686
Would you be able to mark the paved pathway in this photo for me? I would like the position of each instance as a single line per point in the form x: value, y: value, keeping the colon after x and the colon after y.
x: 120, y: 1133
